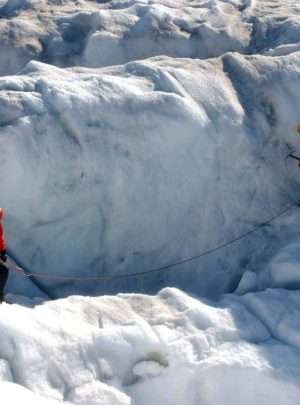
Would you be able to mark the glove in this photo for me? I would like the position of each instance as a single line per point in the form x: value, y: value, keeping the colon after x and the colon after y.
x: 3, y: 256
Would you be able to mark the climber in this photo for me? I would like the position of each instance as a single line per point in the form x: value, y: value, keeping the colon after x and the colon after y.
x: 3, y: 258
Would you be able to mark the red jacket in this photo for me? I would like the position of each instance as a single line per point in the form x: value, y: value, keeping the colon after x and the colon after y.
x: 2, y: 239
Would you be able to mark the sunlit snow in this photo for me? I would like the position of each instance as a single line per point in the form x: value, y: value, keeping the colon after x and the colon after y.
x: 135, y: 134
x: 168, y: 349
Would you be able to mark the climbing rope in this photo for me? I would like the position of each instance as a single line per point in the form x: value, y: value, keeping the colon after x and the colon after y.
x: 164, y: 268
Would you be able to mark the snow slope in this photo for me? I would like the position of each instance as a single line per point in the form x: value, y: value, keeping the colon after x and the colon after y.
x: 125, y: 169
x: 169, y: 349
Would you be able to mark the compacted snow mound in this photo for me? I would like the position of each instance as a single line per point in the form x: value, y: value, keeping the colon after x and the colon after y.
x: 280, y: 266
x: 106, y: 33
x: 170, y: 349
x: 17, y: 395
x: 181, y: 30
x: 276, y: 26
x: 119, y: 170
x: 103, y: 33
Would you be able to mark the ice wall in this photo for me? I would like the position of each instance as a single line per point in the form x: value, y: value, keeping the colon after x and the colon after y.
x: 119, y: 170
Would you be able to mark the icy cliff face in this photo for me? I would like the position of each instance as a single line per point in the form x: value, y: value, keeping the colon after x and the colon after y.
x: 131, y: 168
x: 169, y: 349
x: 126, y: 169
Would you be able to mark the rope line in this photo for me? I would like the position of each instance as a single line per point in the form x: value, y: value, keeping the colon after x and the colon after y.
x: 167, y: 267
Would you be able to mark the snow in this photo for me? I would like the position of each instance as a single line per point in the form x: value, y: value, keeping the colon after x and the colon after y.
x: 282, y: 50
x: 100, y: 34
x: 107, y: 176
x: 283, y: 270
x: 105, y: 33
x: 17, y: 395
x: 164, y: 349
x: 135, y: 134
x: 247, y: 283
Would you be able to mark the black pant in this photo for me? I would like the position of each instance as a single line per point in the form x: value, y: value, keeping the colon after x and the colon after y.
x: 3, y: 279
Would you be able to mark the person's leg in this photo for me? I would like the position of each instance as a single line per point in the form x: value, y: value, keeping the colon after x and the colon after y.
x: 3, y: 280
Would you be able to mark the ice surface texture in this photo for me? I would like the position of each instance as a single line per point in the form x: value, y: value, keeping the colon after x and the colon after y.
x: 110, y: 171
x: 103, y: 33
x: 170, y: 349
x: 97, y: 34
x: 129, y: 168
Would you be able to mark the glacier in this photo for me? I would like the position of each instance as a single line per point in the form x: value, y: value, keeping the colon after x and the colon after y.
x: 104, y: 33
x: 150, y: 147
x: 136, y: 135
x: 129, y: 168
x: 67, y: 33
